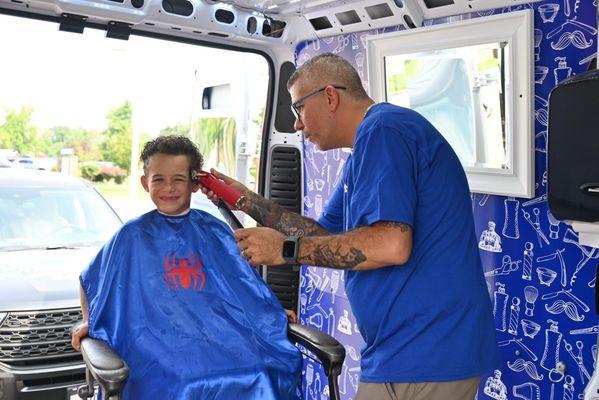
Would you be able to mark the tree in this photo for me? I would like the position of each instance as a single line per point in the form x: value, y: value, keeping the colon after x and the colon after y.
x: 181, y: 130
x: 86, y: 144
x: 17, y: 133
x: 117, y: 137
x: 216, y: 142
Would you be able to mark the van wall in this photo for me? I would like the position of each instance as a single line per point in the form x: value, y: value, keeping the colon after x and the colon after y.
x: 522, y: 261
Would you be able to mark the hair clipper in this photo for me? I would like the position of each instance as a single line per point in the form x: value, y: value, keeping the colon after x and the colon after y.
x: 231, y: 196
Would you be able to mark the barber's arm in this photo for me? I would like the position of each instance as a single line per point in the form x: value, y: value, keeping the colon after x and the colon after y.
x: 369, y: 247
x: 269, y: 214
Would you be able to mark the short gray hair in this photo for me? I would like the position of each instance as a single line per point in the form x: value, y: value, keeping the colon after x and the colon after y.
x: 330, y: 69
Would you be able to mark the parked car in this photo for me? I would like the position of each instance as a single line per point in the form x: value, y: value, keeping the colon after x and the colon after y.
x: 28, y: 162
x: 5, y: 163
x: 51, y: 225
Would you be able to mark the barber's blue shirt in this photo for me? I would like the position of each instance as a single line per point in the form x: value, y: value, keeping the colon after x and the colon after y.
x: 431, y: 318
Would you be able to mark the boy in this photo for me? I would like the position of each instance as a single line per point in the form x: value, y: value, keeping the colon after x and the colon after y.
x: 172, y: 296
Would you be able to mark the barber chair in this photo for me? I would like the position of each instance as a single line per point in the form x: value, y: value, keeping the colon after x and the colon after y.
x: 105, y: 366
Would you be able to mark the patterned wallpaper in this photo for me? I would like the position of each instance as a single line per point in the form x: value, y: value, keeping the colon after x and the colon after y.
x: 541, y: 282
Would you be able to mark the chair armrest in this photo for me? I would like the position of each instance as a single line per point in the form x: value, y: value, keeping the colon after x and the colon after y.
x: 328, y: 350
x: 105, y: 365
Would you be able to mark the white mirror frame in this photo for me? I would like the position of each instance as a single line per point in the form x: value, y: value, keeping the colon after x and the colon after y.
x: 515, y: 28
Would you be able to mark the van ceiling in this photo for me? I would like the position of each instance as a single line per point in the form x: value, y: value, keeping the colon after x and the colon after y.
x: 275, y: 23
x: 429, y: 8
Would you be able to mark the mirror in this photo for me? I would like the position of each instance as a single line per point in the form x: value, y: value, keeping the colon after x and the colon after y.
x: 470, y: 88
x: 461, y: 92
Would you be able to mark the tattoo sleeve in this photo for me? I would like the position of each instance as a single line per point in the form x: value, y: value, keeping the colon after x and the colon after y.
x: 272, y: 215
x: 332, y: 255
x: 403, y: 227
x: 367, y: 247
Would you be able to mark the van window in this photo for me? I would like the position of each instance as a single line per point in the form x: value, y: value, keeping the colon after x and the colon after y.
x: 84, y: 104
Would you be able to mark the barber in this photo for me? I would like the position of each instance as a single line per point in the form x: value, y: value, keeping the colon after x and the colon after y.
x: 400, y: 224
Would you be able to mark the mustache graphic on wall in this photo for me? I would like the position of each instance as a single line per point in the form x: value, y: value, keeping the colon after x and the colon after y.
x: 568, y: 307
x: 528, y: 366
x: 567, y: 38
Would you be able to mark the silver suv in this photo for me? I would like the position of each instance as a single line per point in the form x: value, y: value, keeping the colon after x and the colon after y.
x: 51, y: 225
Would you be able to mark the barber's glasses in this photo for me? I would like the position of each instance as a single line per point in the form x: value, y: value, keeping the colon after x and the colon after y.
x: 297, y: 107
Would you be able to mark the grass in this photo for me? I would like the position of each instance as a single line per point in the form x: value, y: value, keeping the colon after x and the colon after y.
x: 113, y: 189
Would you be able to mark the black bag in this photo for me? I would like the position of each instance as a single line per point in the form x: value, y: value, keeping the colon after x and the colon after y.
x: 573, y: 149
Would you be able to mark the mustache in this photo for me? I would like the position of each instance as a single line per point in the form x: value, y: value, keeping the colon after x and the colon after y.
x: 521, y: 365
x: 568, y: 307
x: 567, y: 38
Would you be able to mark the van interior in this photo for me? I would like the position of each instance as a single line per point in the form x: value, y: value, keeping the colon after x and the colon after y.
x: 489, y: 74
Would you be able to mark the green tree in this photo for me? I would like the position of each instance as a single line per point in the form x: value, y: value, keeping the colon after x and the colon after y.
x: 144, y: 137
x: 216, y: 141
x: 86, y: 144
x: 17, y: 132
x: 181, y: 130
x: 117, y: 137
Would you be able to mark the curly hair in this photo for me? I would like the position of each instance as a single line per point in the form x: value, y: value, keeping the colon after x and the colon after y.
x: 174, y: 145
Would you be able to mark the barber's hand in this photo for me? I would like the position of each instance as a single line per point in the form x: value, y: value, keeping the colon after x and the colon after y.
x: 229, y: 181
x: 79, y: 333
x: 260, y: 245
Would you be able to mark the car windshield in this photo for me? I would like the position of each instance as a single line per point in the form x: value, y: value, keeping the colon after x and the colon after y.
x: 49, y: 218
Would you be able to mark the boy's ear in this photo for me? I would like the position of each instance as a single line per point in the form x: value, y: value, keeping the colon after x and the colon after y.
x: 144, y: 183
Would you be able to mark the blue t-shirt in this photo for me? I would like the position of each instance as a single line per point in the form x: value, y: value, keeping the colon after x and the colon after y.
x: 431, y: 318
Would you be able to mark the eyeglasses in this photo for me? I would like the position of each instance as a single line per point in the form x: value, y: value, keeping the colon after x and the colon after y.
x: 297, y: 109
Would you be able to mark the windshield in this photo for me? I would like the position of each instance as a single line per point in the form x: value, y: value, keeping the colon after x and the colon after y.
x: 53, y: 218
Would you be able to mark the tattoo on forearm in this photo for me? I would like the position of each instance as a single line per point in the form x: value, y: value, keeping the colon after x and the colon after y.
x: 264, y: 211
x: 402, y: 226
x: 296, y: 225
x: 272, y: 215
x: 327, y: 256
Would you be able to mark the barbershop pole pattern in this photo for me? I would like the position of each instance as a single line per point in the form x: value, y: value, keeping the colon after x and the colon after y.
x: 541, y: 281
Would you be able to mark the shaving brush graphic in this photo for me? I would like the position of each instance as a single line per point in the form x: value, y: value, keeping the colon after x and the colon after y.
x: 530, y: 294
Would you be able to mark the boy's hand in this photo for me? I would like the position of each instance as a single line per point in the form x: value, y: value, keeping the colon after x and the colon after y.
x: 229, y: 181
x: 79, y: 333
x: 291, y: 315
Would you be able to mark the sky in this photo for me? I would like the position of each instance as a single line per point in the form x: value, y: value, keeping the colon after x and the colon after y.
x: 75, y: 80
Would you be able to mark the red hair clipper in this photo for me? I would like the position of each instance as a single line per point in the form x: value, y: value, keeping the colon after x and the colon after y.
x: 220, y: 188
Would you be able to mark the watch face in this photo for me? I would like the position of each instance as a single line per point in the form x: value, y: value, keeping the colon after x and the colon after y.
x: 288, y: 249
x: 240, y: 203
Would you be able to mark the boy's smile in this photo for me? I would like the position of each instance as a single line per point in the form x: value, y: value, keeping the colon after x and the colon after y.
x: 168, y: 181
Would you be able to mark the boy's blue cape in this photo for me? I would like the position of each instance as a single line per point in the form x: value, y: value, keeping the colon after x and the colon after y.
x: 190, y: 317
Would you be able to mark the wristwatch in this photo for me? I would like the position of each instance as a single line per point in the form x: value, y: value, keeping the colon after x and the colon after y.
x: 291, y: 249
x: 240, y: 203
